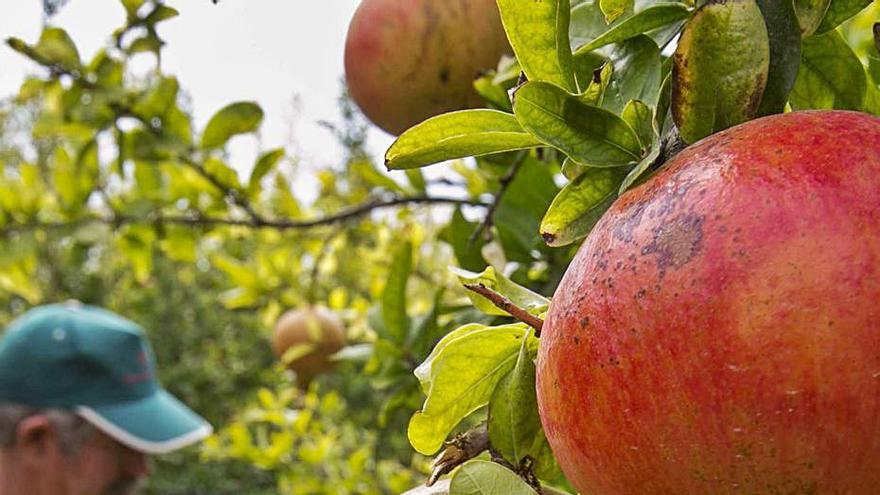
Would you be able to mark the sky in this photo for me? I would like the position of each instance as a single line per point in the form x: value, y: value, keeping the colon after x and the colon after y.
x: 287, y: 55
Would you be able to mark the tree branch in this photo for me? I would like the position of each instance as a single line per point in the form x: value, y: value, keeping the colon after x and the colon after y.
x: 508, y: 306
x: 459, y: 450
x: 204, y: 221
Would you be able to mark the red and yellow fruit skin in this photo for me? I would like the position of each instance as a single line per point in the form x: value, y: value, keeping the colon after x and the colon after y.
x: 718, y: 331
x: 407, y: 60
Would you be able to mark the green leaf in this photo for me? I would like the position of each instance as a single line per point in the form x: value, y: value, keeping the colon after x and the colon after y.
x: 224, y: 174
x: 641, y: 118
x: 653, y: 17
x: 720, y: 68
x: 612, y: 9
x: 838, y: 12
x: 161, y: 13
x: 236, y: 118
x: 514, y: 425
x: 636, y: 73
x: 459, y: 377
x: 458, y: 234
x: 662, y: 110
x: 136, y: 243
x: 785, y: 54
x: 587, y: 134
x: 493, y: 93
x: 416, y: 180
x: 457, y: 135
x: 487, y: 478
x: 64, y: 179
x: 810, y: 13
x: 179, y: 243
x: 158, y: 101
x: 520, y: 296
x: 147, y: 43
x: 633, y: 176
x: 521, y: 208
x: 830, y: 76
x: 264, y: 165
x: 132, y: 6
x: 596, y: 92
x: 580, y: 204
x: 394, y: 295
x: 587, y: 68
x: 240, y: 274
x: 56, y: 47
x: 538, y: 34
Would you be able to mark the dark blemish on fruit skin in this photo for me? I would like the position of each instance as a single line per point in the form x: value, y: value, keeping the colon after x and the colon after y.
x: 623, y: 231
x: 577, y: 340
x: 444, y: 75
x: 585, y: 321
x: 676, y: 242
x: 641, y: 293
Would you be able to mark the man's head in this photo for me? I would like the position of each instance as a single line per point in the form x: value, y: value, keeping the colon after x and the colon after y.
x: 80, y: 405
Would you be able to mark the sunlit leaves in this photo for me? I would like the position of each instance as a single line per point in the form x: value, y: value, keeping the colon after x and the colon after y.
x: 233, y: 119
x: 538, y: 33
x: 265, y: 163
x: 55, y: 48
x: 457, y: 135
x: 839, y: 11
x: 394, y: 295
x: 580, y: 204
x: 720, y: 69
x: 653, y: 17
x: 585, y: 133
x: 513, y: 423
x: 459, y: 377
x: 830, y: 76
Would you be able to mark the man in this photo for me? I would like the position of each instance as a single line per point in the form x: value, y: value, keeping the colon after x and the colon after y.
x: 80, y: 405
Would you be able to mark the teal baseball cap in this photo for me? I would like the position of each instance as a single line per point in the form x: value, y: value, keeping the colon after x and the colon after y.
x: 100, y: 365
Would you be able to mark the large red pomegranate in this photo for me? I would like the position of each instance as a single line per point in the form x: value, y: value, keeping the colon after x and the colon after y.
x: 719, y: 330
x: 407, y: 60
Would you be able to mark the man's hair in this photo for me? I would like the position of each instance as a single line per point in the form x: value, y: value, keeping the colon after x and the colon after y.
x: 72, y: 429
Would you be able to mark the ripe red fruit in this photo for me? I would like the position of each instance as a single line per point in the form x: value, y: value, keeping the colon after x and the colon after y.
x: 719, y: 330
x: 407, y: 60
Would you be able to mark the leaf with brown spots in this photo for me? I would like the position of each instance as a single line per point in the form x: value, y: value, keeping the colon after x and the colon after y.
x: 720, y: 68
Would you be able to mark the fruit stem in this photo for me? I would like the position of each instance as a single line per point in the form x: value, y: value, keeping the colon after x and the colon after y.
x: 508, y: 306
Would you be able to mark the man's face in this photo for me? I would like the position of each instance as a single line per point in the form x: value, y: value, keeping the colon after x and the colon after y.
x: 103, y: 466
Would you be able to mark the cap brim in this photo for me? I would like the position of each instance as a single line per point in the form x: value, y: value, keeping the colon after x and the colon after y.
x: 154, y: 425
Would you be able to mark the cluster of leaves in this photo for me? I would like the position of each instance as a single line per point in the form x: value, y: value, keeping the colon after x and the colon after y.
x: 604, y: 86
x: 307, y: 439
x: 600, y: 88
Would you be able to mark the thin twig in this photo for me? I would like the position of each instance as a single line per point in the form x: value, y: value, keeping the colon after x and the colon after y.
x: 205, y: 221
x: 504, y: 184
x: 508, y: 306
